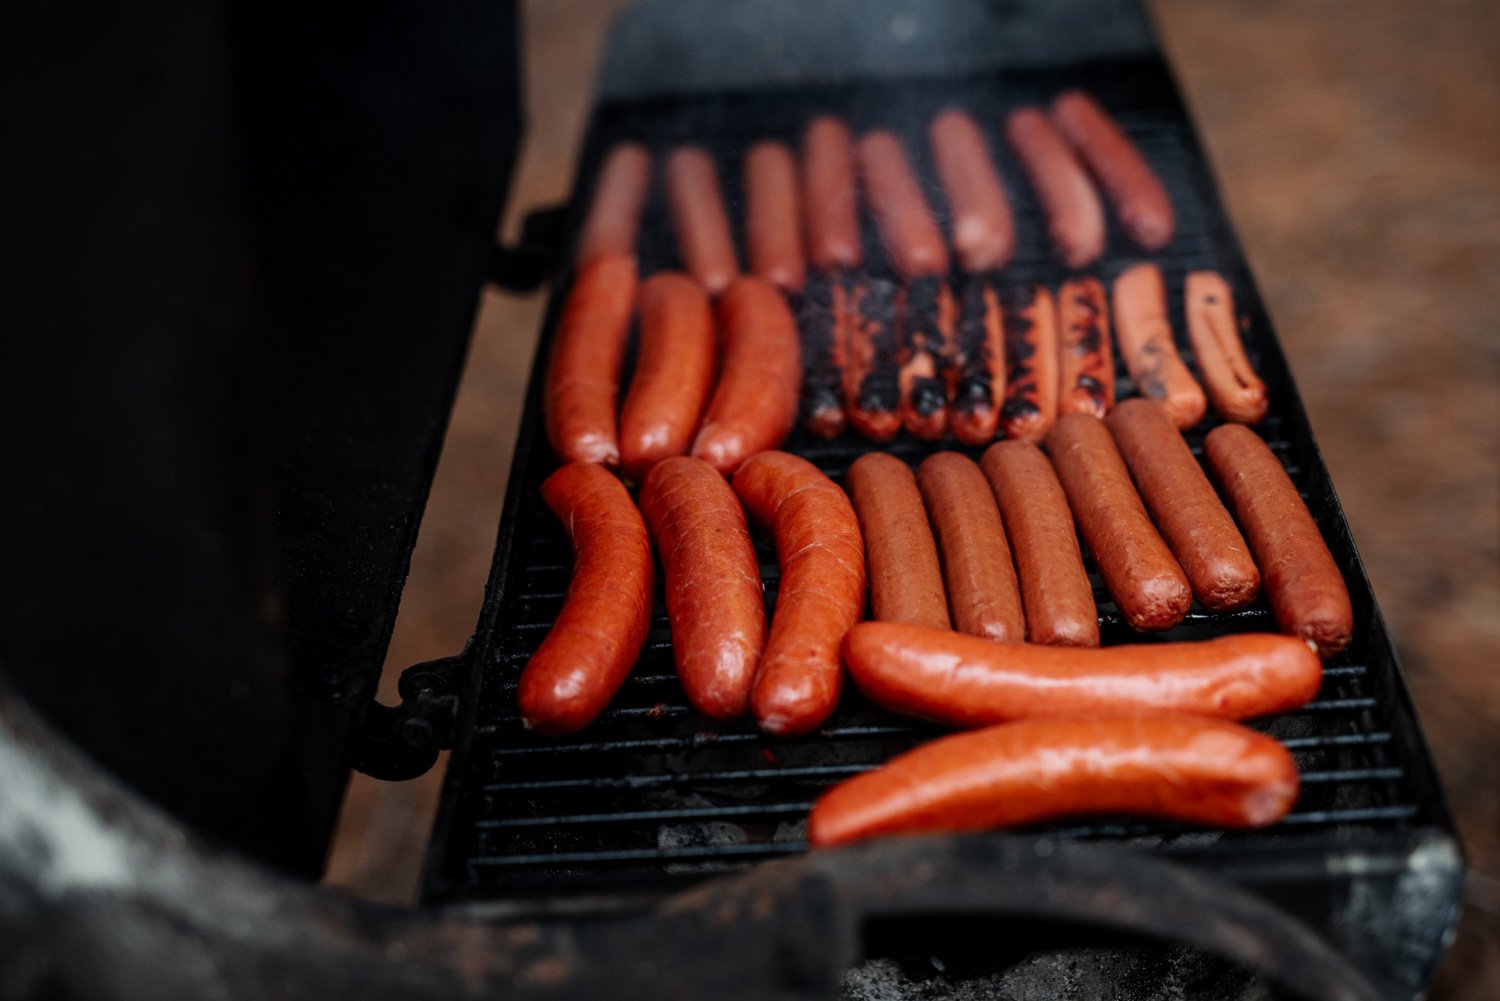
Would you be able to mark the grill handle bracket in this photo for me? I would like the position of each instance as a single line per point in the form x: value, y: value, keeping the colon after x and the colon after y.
x: 524, y: 265
x: 401, y: 742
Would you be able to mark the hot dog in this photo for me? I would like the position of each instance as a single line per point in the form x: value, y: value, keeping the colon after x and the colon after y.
x: 984, y: 235
x: 674, y: 371
x: 1140, y: 202
x: 1146, y: 342
x: 1185, y: 507
x: 598, y: 634
x: 704, y: 241
x: 901, y: 560
x: 1236, y: 391
x: 1187, y: 768
x: 926, y: 353
x: 1148, y: 586
x: 1087, y: 361
x: 908, y: 229
x: 1055, y: 589
x: 583, y: 374
x: 822, y: 590
x: 1075, y: 217
x: 773, y: 220
x: 714, y: 599
x: 821, y: 321
x: 615, y: 212
x: 982, y: 592
x: 872, y: 375
x: 1307, y: 591
x: 979, y: 364
x: 830, y: 202
x: 1031, y: 357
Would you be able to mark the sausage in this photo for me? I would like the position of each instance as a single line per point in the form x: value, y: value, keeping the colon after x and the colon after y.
x: 1187, y: 510
x: 872, y: 374
x: 696, y: 204
x: 1186, y: 768
x: 583, y: 374
x: 714, y: 598
x: 1236, y: 391
x: 908, y: 229
x: 1307, y: 591
x: 1140, y: 202
x: 926, y: 353
x: 978, y: 363
x: 984, y: 235
x: 1031, y: 354
x: 1146, y: 342
x: 982, y: 592
x: 599, y: 633
x: 821, y: 322
x: 674, y: 372
x: 1148, y: 586
x: 822, y: 589
x: 1055, y: 589
x: 901, y: 560
x: 830, y: 203
x: 614, y: 216
x: 773, y: 219
x: 1075, y: 217
x: 755, y: 404
x: 1086, y: 359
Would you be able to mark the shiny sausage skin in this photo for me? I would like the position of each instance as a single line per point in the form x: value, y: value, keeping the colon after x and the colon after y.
x: 704, y: 241
x: 872, y: 372
x: 901, y: 559
x: 1185, y: 506
x: 714, y: 599
x: 1055, y: 588
x: 1307, y: 591
x: 1075, y: 217
x: 821, y: 322
x: 1148, y: 586
x: 983, y: 596
x: 674, y: 372
x: 1031, y: 355
x: 927, y: 352
x: 821, y: 594
x: 907, y: 226
x: 602, y: 626
x: 755, y: 403
x: 1087, y: 361
x: 1186, y: 768
x: 1236, y: 391
x: 1145, y: 337
x: 978, y: 363
x: 1140, y: 202
x: 830, y: 200
x: 984, y: 234
x: 773, y: 217
x: 619, y: 197
x: 583, y: 374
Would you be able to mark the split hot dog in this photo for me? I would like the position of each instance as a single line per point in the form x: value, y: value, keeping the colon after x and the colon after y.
x: 1236, y: 391
x: 1145, y: 338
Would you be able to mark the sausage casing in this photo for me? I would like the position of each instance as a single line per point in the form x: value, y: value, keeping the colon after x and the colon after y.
x: 583, y: 374
x: 978, y: 364
x: 908, y: 229
x: 901, y: 559
x: 983, y: 596
x: 1075, y: 216
x: 1145, y: 337
x: 1236, y: 391
x: 984, y: 234
x: 1139, y: 199
x: 1030, y: 323
x: 696, y: 204
x: 830, y: 198
x: 619, y: 197
x: 674, y: 372
x: 1085, y: 357
x: 773, y: 217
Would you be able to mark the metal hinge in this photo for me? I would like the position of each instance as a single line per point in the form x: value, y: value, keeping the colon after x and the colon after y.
x: 402, y: 741
x: 524, y: 266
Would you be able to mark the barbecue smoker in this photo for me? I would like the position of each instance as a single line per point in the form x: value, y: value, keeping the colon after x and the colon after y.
x: 306, y: 239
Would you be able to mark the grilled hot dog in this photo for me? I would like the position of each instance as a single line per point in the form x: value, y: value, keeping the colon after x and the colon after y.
x: 704, y: 241
x: 1031, y: 357
x: 872, y: 375
x: 978, y: 364
x: 1140, y: 202
x: 1236, y: 391
x: 821, y: 323
x: 901, y: 560
x: 908, y: 229
x: 982, y: 592
x: 1075, y: 217
x: 583, y: 374
x: 619, y: 197
x: 773, y: 220
x: 984, y: 235
x: 926, y: 354
x: 1146, y: 342
x: 674, y: 371
x: 1087, y: 361
x: 830, y: 202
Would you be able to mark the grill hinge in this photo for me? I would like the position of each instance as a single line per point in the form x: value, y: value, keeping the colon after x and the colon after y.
x: 402, y: 741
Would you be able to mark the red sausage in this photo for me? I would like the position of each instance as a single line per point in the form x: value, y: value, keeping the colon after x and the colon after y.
x: 979, y: 364
x: 599, y: 632
x: 829, y: 201
x: 1087, y: 378
x: 1187, y: 768
x: 755, y: 404
x: 773, y: 223
x: 821, y: 323
x: 911, y: 236
x: 1031, y: 354
x: 704, y: 241
x: 906, y: 582
x: 822, y: 590
x: 714, y: 599
x: 619, y: 197
x: 927, y: 352
x: 1140, y: 202
x: 1147, y: 584
x: 673, y: 373
x: 872, y: 386
x: 1146, y: 342
x: 583, y: 376
x: 1236, y: 391
x: 1075, y: 218
x: 984, y: 236
x: 982, y: 591
x: 1307, y: 591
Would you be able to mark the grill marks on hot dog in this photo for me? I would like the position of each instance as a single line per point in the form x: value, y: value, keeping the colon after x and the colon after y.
x: 583, y: 374
x: 979, y: 363
x: 1085, y: 356
x: 983, y: 596
x: 1145, y: 337
x: 983, y: 232
x: 872, y: 386
x: 1236, y: 391
x: 830, y: 202
x: 1140, y: 202
x: 908, y: 229
x: 773, y: 223
x: 1075, y: 217
x: 1031, y: 356
x: 906, y: 582
x: 821, y: 323
x: 673, y: 374
x: 699, y: 218
x: 619, y: 197
x: 926, y: 357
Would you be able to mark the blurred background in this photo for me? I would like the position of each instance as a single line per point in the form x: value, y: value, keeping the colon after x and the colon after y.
x: 1358, y: 150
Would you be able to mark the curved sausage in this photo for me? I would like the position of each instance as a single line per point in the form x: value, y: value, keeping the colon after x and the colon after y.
x: 901, y: 560
x: 821, y: 322
x: 872, y: 373
x: 926, y: 353
x: 1307, y: 591
x: 984, y: 235
x: 714, y: 599
x: 1031, y: 355
x: 982, y: 591
x: 674, y: 372
x: 1147, y: 584
x: 1203, y: 771
x: 614, y: 216
x: 599, y: 633
x: 830, y: 202
x: 773, y: 219
x: 979, y: 364
x: 1055, y: 588
x: 704, y: 241
x: 1075, y: 217
x: 755, y: 404
x: 908, y: 229
x: 1145, y: 338
x: 822, y: 589
x: 1086, y: 359
x: 1236, y: 391
x: 583, y: 374
x: 1185, y: 506
x: 1140, y: 202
